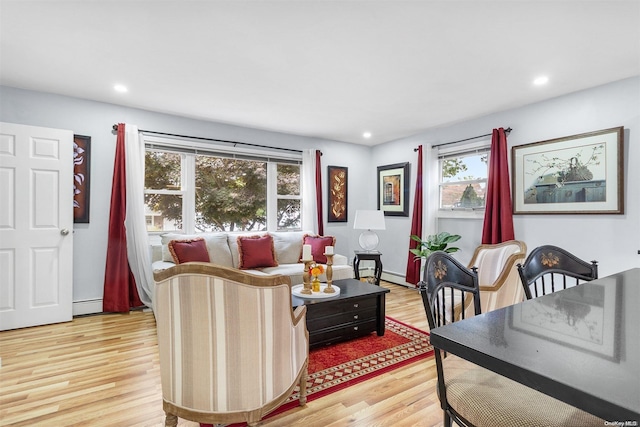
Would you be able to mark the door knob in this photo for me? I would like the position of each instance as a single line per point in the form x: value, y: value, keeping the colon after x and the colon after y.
x: 64, y: 231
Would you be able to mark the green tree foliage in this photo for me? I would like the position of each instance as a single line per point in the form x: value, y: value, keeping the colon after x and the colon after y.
x: 162, y: 171
x: 452, y: 167
x: 470, y: 198
x: 289, y: 210
x: 231, y: 194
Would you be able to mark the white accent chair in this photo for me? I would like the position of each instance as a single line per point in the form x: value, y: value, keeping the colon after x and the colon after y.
x: 498, y: 276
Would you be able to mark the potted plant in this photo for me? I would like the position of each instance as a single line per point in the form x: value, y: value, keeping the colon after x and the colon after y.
x: 434, y: 242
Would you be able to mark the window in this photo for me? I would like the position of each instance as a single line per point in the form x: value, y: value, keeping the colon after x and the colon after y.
x: 193, y: 190
x: 463, y: 179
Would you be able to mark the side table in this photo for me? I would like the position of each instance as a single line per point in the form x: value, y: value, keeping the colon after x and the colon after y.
x: 368, y: 256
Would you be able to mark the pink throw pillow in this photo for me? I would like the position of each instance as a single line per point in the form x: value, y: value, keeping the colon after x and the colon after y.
x: 318, y: 243
x: 190, y: 250
x: 256, y: 252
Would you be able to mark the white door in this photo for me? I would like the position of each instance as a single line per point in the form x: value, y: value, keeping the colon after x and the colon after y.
x: 36, y: 225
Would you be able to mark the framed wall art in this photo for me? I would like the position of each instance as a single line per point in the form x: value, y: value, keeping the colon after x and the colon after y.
x: 81, y: 171
x: 393, y: 189
x: 337, y: 188
x: 579, y: 174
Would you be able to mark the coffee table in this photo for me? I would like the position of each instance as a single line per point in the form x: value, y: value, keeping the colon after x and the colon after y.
x: 358, y: 310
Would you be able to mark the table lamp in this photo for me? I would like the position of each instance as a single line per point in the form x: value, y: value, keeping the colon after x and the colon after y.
x: 369, y: 220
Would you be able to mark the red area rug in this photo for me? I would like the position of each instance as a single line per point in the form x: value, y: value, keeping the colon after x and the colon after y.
x: 342, y: 365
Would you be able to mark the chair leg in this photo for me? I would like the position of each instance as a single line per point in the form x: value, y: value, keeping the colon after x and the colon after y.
x: 446, y: 422
x: 171, y: 420
x: 303, y: 388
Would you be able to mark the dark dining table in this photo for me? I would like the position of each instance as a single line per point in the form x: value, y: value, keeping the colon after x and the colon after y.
x: 580, y: 345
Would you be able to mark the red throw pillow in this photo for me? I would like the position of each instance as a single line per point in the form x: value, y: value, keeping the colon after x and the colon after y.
x: 318, y: 243
x: 256, y: 252
x: 189, y: 250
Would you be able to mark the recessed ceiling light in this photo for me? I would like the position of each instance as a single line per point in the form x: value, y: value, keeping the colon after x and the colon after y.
x: 539, y: 81
x: 120, y: 88
x: 366, y: 135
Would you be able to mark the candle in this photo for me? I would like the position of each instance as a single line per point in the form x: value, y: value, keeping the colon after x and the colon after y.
x: 306, y: 253
x: 328, y: 250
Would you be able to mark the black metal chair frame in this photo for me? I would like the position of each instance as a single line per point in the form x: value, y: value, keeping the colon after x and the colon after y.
x: 441, y: 273
x: 547, y: 261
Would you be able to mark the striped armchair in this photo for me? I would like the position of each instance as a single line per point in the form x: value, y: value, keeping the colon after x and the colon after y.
x: 231, y: 347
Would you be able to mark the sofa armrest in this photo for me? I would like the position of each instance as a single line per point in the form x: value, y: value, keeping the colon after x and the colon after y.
x: 340, y: 260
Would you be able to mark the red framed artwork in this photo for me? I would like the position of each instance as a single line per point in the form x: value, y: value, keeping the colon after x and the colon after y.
x: 81, y: 170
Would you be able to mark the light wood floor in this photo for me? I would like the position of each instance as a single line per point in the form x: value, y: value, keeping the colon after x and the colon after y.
x: 103, y: 370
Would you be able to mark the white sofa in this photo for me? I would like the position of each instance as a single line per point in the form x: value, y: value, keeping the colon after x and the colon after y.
x: 223, y: 250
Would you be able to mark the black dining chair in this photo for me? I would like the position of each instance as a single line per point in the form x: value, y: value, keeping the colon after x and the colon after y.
x: 471, y: 395
x: 549, y: 269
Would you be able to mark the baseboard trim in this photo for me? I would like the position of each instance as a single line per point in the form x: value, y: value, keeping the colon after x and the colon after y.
x: 388, y: 276
x: 91, y: 306
x: 396, y: 278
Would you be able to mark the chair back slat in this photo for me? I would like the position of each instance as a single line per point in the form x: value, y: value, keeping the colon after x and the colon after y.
x: 549, y: 269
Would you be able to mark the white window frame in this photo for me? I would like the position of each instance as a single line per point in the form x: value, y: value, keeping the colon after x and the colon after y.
x: 188, y: 149
x: 456, y: 150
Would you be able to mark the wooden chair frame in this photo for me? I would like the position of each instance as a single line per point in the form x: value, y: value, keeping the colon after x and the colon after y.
x: 441, y: 273
x: 547, y: 261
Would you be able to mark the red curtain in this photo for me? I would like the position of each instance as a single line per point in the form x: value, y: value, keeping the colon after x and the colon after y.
x: 319, y: 191
x: 498, y: 217
x: 413, y: 267
x: 120, y: 293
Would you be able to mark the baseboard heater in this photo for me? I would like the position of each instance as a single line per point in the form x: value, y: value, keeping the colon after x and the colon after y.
x: 389, y: 276
x: 90, y: 306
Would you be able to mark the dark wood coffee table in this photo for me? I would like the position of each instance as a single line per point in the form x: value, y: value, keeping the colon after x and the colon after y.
x: 358, y: 310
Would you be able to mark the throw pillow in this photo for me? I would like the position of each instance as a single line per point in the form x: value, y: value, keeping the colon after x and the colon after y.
x: 256, y: 252
x: 189, y: 250
x: 318, y: 243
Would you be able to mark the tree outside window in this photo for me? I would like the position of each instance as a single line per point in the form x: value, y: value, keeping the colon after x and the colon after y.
x: 221, y: 194
x: 463, y: 181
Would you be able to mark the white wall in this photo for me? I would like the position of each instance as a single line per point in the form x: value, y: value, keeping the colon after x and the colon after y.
x: 613, y: 240
x: 96, y: 119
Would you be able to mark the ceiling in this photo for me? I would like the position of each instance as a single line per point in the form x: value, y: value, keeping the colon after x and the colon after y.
x: 327, y: 69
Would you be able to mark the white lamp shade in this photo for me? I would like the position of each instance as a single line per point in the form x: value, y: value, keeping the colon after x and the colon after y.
x: 369, y: 220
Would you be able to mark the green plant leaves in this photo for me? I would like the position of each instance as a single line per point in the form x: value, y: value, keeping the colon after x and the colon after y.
x: 433, y: 243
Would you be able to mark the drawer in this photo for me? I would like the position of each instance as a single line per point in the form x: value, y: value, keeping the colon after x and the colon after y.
x: 341, y: 306
x: 340, y: 319
x: 330, y: 336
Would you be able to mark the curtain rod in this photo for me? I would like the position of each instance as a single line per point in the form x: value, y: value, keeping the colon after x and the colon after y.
x: 115, y: 128
x: 507, y: 131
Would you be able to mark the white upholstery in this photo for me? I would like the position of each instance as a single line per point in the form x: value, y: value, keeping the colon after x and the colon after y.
x: 217, y: 247
x: 223, y: 250
x: 498, y: 274
x: 231, y: 347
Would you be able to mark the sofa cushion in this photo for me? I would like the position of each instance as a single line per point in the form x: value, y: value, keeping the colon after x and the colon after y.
x: 288, y: 246
x: 232, y: 243
x: 256, y: 252
x: 318, y: 243
x: 189, y: 250
x: 217, y: 246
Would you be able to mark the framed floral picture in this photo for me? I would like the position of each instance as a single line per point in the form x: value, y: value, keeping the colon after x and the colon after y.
x: 579, y: 174
x: 337, y: 189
